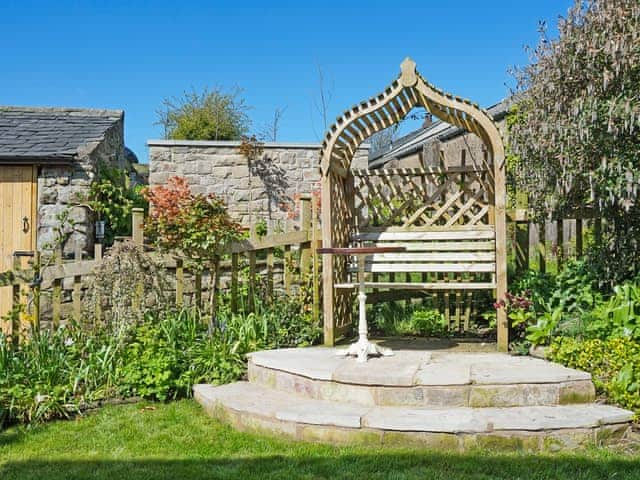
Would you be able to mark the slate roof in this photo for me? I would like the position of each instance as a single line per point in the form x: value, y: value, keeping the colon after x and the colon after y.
x: 49, y: 134
x: 440, y: 130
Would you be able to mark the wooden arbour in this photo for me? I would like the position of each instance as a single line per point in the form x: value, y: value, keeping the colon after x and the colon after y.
x: 466, y: 214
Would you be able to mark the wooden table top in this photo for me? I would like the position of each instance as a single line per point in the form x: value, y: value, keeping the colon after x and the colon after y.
x: 359, y: 250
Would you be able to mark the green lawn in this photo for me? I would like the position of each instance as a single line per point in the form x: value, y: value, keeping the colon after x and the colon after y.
x: 177, y: 440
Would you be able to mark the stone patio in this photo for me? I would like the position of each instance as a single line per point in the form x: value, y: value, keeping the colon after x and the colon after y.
x: 435, y: 397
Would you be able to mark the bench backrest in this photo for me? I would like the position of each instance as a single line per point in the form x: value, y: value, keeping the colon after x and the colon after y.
x: 453, y: 250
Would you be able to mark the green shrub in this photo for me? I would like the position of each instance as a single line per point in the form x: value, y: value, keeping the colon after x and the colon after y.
x: 613, y: 363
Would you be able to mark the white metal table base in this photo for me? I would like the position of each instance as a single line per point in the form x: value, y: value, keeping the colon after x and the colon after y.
x: 363, y: 348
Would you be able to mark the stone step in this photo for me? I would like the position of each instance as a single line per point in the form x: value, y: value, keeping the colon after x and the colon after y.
x: 421, y: 378
x: 254, y: 407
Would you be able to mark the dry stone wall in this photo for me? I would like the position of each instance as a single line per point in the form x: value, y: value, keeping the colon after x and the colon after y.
x: 262, y: 188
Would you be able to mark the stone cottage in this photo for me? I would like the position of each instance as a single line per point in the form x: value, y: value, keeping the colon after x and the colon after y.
x: 48, y: 159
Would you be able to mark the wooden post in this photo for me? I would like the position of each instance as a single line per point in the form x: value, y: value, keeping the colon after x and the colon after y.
x: 97, y: 251
x: 559, y: 243
x: 542, y: 249
x: 251, y: 304
x: 305, y: 226
x: 328, y: 297
x: 579, y: 246
x: 137, y: 225
x: 77, y: 290
x: 16, y: 305
x: 315, y: 274
x: 36, y: 291
x: 522, y: 242
x: 234, y: 282
x: 270, y: 263
x: 287, y: 269
x: 56, y: 294
x: 197, y: 280
x: 179, y: 282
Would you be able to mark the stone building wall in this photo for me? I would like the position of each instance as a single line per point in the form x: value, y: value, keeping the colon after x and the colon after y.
x: 64, y: 188
x: 264, y: 188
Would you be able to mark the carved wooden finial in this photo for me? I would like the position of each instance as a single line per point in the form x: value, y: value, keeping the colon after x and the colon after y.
x: 408, y: 77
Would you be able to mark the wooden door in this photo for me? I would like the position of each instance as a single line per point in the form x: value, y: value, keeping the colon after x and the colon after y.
x: 17, y: 222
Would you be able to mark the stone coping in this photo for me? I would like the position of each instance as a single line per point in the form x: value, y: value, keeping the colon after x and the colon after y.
x: 409, y: 368
x: 235, y: 143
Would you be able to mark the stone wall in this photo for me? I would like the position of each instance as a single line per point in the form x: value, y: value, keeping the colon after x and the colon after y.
x: 264, y: 188
x: 64, y: 188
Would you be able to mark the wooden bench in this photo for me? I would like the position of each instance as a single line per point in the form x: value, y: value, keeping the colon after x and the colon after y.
x: 465, y: 256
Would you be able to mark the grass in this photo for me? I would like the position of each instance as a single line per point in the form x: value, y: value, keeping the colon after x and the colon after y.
x: 177, y: 440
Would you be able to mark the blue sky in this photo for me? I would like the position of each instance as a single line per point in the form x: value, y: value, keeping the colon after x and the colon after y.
x: 131, y: 55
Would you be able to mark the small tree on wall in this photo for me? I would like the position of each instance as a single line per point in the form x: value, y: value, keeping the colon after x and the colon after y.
x: 196, y: 226
x: 575, y: 131
x: 207, y: 115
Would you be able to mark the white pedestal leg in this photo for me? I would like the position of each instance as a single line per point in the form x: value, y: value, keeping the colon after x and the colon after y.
x: 363, y: 347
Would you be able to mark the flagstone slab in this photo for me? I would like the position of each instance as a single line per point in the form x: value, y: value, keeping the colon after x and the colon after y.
x: 398, y: 370
x: 254, y: 407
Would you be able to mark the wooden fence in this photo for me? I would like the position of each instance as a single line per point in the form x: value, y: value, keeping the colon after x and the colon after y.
x: 270, y: 257
x: 548, y: 245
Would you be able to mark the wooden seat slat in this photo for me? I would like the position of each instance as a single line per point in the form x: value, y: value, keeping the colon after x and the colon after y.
x: 425, y: 236
x: 421, y: 286
x: 485, y: 256
x: 426, y: 267
x: 488, y: 245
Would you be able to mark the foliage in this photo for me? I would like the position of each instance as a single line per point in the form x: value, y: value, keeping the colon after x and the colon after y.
x: 207, y: 115
x: 131, y: 285
x: 613, y: 363
x: 56, y: 374
x: 195, y: 225
x: 394, y: 319
x: 575, y: 131
x: 112, y: 198
x: 618, y: 316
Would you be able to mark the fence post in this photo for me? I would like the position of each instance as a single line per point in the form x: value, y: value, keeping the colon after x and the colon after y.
x: 522, y: 240
x: 579, y: 247
x: 16, y: 304
x: 542, y: 248
x: 179, y: 282
x: 251, y: 304
x: 137, y: 225
x: 315, y: 272
x: 77, y: 288
x: 559, y: 243
x: 305, y: 226
x: 234, y: 282
x: 36, y: 291
x: 56, y: 295
x: 270, y: 263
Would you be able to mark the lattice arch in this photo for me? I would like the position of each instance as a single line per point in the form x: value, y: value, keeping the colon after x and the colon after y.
x: 466, y: 208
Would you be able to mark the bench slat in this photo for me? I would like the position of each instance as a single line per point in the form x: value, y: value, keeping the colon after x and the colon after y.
x: 489, y: 245
x: 427, y: 267
x: 422, y: 286
x: 432, y: 257
x: 426, y: 236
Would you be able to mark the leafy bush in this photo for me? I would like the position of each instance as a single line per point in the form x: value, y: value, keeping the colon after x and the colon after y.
x: 55, y: 374
x: 614, y: 364
x: 113, y: 198
x: 393, y: 319
x: 131, y: 283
